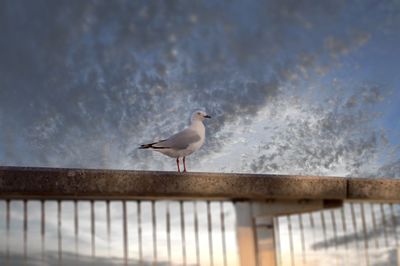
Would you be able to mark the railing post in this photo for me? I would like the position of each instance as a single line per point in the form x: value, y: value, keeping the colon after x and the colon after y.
x: 266, y: 240
x: 245, y: 234
x: 255, y: 234
x: 398, y: 256
x: 255, y: 227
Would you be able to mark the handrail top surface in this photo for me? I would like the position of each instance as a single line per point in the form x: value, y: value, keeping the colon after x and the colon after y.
x: 75, y: 183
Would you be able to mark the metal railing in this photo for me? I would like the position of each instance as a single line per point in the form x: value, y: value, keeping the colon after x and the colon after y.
x: 78, y: 216
x: 118, y: 232
x: 356, y: 234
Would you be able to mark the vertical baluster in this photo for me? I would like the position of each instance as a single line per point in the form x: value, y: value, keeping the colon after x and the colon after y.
x: 196, y: 233
x: 312, y: 225
x: 154, y: 225
x: 139, y: 212
x: 344, y: 227
x: 59, y: 232
x: 125, y: 232
x: 181, y: 210
x: 92, y: 229
x: 383, y: 217
x: 168, y: 225
x: 255, y: 235
x: 324, y: 230
x: 210, y: 241
x: 8, y: 231
x: 374, y: 228
x: 42, y: 228
x: 291, y: 240
x: 394, y: 224
x: 277, y: 241
x: 108, y: 218
x: 345, y: 256
x: 223, y: 233
x: 333, y: 218
x: 315, y: 232
x: 303, y: 244
x: 364, y: 225
x: 25, y: 229
x: 353, y: 218
x: 76, y: 230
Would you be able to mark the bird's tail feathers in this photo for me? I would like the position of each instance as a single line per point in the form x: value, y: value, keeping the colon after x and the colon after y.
x: 150, y: 146
x: 146, y: 146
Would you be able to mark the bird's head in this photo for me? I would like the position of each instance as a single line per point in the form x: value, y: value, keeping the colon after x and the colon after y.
x: 199, y: 116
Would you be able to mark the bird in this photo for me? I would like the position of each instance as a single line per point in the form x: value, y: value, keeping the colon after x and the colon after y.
x: 184, y: 143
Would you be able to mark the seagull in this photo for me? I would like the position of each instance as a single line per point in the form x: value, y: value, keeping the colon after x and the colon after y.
x: 182, y: 143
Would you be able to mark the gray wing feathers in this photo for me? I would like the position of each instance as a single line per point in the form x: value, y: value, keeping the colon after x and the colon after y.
x: 180, y: 140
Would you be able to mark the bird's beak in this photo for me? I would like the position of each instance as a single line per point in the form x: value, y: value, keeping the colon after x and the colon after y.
x: 207, y: 116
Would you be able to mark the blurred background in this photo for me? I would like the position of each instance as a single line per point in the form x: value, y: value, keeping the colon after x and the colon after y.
x: 294, y: 87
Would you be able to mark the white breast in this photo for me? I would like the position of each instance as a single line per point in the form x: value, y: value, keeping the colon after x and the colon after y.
x: 199, y: 127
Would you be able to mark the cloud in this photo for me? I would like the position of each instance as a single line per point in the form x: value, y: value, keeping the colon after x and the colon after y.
x: 339, y: 46
x: 82, y: 87
x: 333, y: 137
x: 390, y: 169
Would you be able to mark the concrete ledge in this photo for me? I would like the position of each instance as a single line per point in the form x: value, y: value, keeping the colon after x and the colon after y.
x: 378, y: 189
x: 59, y: 183
x: 85, y: 183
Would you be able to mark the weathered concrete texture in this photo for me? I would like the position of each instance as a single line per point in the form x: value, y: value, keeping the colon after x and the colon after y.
x: 62, y: 183
x: 374, y: 189
x: 20, y: 182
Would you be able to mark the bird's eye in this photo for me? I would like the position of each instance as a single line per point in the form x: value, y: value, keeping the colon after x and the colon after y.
x: 199, y: 113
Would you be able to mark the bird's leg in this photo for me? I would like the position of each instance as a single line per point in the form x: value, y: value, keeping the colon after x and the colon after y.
x: 184, y: 165
x: 177, y: 163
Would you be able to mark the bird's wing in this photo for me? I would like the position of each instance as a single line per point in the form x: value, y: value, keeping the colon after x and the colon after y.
x: 180, y: 140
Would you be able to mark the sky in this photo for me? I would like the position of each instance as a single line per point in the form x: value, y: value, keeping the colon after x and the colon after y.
x: 293, y: 87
